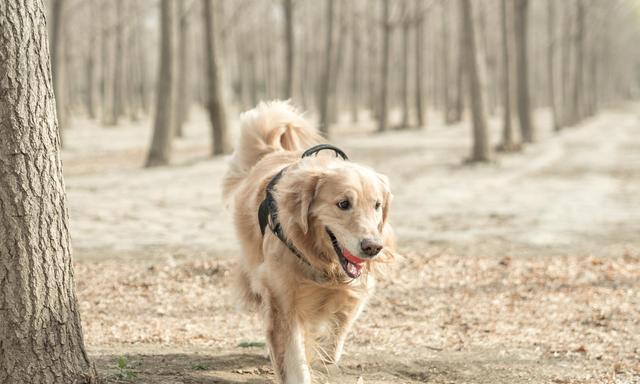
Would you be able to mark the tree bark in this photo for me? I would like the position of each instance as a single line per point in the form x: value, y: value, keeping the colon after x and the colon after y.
x: 384, y: 68
x: 40, y: 330
x: 524, y: 104
x: 325, y: 84
x: 160, y: 151
x: 507, y: 130
x: 551, y: 27
x: 337, y: 66
x: 215, y: 97
x: 57, y: 63
x: 481, y: 150
x: 419, y: 48
x: 287, y: 6
x: 184, y: 100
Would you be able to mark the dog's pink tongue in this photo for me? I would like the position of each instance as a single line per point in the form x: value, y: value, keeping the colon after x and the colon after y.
x: 351, y: 258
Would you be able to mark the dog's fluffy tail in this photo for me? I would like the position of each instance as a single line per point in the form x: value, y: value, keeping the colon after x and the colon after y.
x: 269, y: 127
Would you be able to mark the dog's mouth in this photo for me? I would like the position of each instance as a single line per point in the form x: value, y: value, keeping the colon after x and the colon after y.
x: 351, y: 264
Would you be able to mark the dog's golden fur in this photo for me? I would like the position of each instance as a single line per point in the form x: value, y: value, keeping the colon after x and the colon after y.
x: 305, y: 307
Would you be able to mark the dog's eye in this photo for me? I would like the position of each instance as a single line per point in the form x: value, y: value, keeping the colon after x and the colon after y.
x: 344, y: 204
x: 378, y: 205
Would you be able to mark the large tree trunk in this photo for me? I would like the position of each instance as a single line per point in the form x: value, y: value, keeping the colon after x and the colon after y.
x: 384, y: 68
x: 419, y: 47
x: 289, y: 48
x: 215, y: 97
x: 507, y: 130
x: 57, y: 63
x: 184, y: 100
x: 325, y: 84
x: 40, y: 330
x: 524, y: 104
x: 481, y: 150
x: 164, y: 121
x: 551, y: 20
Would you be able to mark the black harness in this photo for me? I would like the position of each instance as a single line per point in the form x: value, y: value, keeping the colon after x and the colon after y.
x: 268, y: 210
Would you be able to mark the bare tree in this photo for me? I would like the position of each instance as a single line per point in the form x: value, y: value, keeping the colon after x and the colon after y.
x: 577, y: 98
x: 507, y: 130
x: 355, y: 63
x: 90, y: 63
x: 404, y: 92
x: 287, y: 6
x: 458, y: 109
x: 551, y: 85
x: 481, y: 150
x: 117, y: 92
x: 325, y: 83
x: 184, y: 100
x: 384, y: 68
x: 164, y: 120
x: 446, y: 105
x: 40, y: 330
x: 419, y: 55
x: 521, y: 8
x: 215, y: 96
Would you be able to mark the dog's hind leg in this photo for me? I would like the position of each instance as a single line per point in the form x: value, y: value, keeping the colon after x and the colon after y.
x: 285, y: 337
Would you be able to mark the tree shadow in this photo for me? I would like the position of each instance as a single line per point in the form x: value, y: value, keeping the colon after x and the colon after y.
x: 184, y: 368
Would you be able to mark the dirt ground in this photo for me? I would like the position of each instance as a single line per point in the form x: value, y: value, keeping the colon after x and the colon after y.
x: 526, y: 270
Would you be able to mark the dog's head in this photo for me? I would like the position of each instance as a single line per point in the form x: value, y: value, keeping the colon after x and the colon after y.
x: 336, y: 212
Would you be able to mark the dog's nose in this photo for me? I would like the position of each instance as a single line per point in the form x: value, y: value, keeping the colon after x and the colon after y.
x: 370, y: 247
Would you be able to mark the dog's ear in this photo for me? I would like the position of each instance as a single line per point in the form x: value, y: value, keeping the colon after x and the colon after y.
x: 308, y: 192
x: 388, y: 196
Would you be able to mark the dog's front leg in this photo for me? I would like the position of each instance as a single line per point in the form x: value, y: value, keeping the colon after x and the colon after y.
x: 286, y: 345
x: 343, y: 323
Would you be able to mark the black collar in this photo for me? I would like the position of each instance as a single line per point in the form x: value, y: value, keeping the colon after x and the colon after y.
x: 268, y: 210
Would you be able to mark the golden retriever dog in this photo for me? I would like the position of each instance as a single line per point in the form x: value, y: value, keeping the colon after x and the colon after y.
x: 313, y: 233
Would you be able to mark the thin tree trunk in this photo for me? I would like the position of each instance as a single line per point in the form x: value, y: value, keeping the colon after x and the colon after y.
x: 524, y: 104
x: 419, y: 48
x: 577, y: 98
x: 325, y: 85
x: 117, y: 104
x: 406, y: 24
x: 90, y: 89
x: 215, y: 97
x: 551, y: 20
x: 459, y: 105
x: 384, y: 68
x: 566, y: 65
x: 104, y: 60
x: 289, y: 48
x: 337, y: 67
x: 160, y: 151
x: 184, y: 101
x: 40, y: 330
x: 355, y: 63
x: 507, y: 130
x: 481, y: 150
x: 445, y: 63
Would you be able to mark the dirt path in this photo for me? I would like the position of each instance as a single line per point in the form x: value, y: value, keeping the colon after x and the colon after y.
x: 522, y: 271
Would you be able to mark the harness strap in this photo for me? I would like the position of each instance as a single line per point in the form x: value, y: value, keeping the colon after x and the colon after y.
x: 268, y: 210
